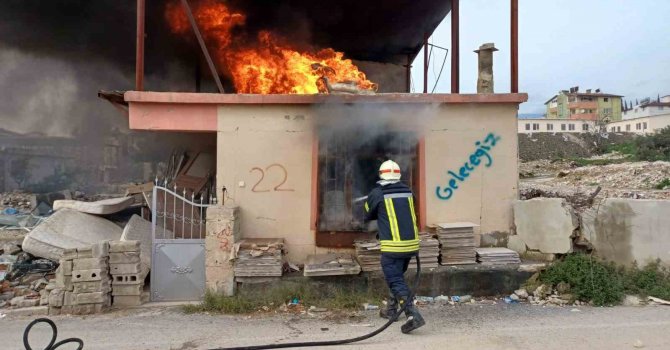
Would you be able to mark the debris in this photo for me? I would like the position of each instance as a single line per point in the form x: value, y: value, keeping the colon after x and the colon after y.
x: 638, y: 344
x: 466, y: 298
x: 632, y: 300
x: 101, y: 207
x: 138, y: 229
x: 659, y: 301
x: 421, y: 300
x: 293, y: 266
x: 563, y: 287
x: 442, y: 298
x: 324, y: 329
x: 317, y: 309
x: 521, y: 293
x: 68, y: 228
x: 455, y: 298
x: 368, y: 307
x: 332, y: 264
x: 368, y: 254
x: 267, y: 262
x: 514, y: 297
x: 458, y: 243
x: 509, y: 300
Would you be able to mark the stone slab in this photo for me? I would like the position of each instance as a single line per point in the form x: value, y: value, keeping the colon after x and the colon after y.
x: 127, y: 300
x: 627, y: 230
x: 545, y: 224
x: 125, y: 269
x: 69, y: 254
x: 127, y: 279
x: 56, y: 297
x: 100, y: 249
x: 66, y: 265
x: 54, y: 311
x: 68, y: 299
x: 88, y: 275
x: 86, y: 309
x: 124, y: 258
x: 128, y: 289
x: 91, y: 298
x: 67, y: 229
x: 101, y: 207
x: 138, y: 229
x: 84, y: 252
x: 124, y: 246
x: 517, y: 244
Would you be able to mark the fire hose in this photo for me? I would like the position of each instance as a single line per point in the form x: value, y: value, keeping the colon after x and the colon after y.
x: 53, y: 344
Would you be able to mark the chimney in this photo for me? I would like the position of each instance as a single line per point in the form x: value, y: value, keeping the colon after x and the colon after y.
x: 597, y: 91
x: 485, y: 78
x: 588, y: 91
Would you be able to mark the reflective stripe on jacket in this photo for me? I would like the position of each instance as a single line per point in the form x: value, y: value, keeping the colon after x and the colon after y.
x: 392, y: 205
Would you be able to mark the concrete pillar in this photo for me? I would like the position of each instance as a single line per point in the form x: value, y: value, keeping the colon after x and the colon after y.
x: 222, y: 233
x: 485, y: 78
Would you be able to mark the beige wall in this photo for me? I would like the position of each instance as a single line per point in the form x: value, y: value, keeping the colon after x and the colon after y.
x: 654, y: 124
x: 542, y: 124
x: 257, y: 136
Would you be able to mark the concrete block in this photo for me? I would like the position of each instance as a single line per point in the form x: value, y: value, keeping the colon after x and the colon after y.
x: 124, y: 246
x: 127, y: 300
x: 44, y: 297
x: 627, y: 230
x: 68, y: 299
x: 54, y: 311
x: 90, y: 264
x: 545, y: 224
x: 127, y: 289
x: 28, y: 302
x: 62, y: 281
x: 138, y: 229
x: 125, y: 269
x: 127, y: 279
x: 101, y: 207
x: 516, y: 244
x: 96, y: 286
x: 87, y: 309
x: 51, y: 286
x: 100, y: 249
x: 88, y: 275
x: 56, y: 297
x: 90, y: 298
x: 84, y: 253
x: 124, y: 258
x: 27, y: 311
x: 66, y: 265
x: 69, y: 254
x: 223, y: 230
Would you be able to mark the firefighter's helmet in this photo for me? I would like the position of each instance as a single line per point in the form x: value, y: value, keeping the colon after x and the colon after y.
x: 389, y: 170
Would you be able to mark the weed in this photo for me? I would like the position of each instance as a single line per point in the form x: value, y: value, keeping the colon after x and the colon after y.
x: 663, y: 184
x: 592, y: 279
x: 329, y: 296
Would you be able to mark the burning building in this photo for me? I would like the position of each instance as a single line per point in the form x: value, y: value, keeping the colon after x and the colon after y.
x: 304, y: 116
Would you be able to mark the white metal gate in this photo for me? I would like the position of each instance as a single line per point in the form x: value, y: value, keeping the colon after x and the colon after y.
x: 178, y: 251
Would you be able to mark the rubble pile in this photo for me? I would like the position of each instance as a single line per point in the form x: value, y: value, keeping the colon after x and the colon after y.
x: 82, y: 283
x: 636, y: 175
x: 259, y: 257
x: 545, y: 294
x: 458, y: 243
x: 369, y: 254
x: 17, y: 200
x: 127, y: 273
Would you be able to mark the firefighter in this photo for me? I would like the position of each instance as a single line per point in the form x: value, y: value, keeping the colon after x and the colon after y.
x: 391, y: 203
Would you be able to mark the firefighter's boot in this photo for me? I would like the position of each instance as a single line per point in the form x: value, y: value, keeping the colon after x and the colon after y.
x: 391, y: 311
x: 414, y: 318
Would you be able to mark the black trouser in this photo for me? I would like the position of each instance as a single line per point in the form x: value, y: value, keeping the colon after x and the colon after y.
x: 394, y: 266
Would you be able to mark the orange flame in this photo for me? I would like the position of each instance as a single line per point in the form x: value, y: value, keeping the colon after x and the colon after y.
x: 269, y: 65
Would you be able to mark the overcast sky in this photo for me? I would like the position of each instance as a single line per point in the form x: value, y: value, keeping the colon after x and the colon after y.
x: 621, y: 47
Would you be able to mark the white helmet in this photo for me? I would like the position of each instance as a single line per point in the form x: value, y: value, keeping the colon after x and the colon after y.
x: 389, y: 170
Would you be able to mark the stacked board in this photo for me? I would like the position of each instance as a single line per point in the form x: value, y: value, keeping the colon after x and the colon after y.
x: 497, y: 256
x: 332, y: 264
x: 260, y: 257
x: 429, y: 251
x: 458, y: 243
x: 368, y: 255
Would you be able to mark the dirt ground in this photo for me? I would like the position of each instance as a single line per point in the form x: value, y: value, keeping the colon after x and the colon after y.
x: 500, y: 326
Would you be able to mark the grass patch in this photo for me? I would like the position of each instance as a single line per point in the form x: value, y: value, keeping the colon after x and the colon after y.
x: 603, y: 283
x: 663, y: 184
x: 325, y: 296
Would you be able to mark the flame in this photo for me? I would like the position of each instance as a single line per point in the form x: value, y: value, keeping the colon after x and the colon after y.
x: 267, y: 65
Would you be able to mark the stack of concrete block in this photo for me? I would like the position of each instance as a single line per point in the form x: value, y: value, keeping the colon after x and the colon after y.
x: 127, y: 273
x: 82, y: 281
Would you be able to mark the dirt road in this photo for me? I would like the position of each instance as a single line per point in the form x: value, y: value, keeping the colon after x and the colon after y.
x: 478, y: 327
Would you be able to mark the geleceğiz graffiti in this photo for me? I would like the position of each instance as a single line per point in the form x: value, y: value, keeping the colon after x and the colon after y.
x: 475, y: 159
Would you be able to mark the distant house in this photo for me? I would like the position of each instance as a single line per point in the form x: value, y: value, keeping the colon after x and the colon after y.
x: 529, y: 126
x: 576, y: 105
x: 648, y: 108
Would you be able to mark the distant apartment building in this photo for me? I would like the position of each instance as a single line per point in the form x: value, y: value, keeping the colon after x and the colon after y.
x: 647, y: 117
x: 576, y: 105
x: 529, y: 126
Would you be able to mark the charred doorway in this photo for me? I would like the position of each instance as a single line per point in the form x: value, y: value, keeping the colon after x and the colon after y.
x: 348, y: 168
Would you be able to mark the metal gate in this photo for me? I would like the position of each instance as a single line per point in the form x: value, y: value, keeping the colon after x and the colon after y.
x: 178, y: 251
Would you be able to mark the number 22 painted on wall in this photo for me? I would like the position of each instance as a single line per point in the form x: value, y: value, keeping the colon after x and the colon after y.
x: 276, y: 188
